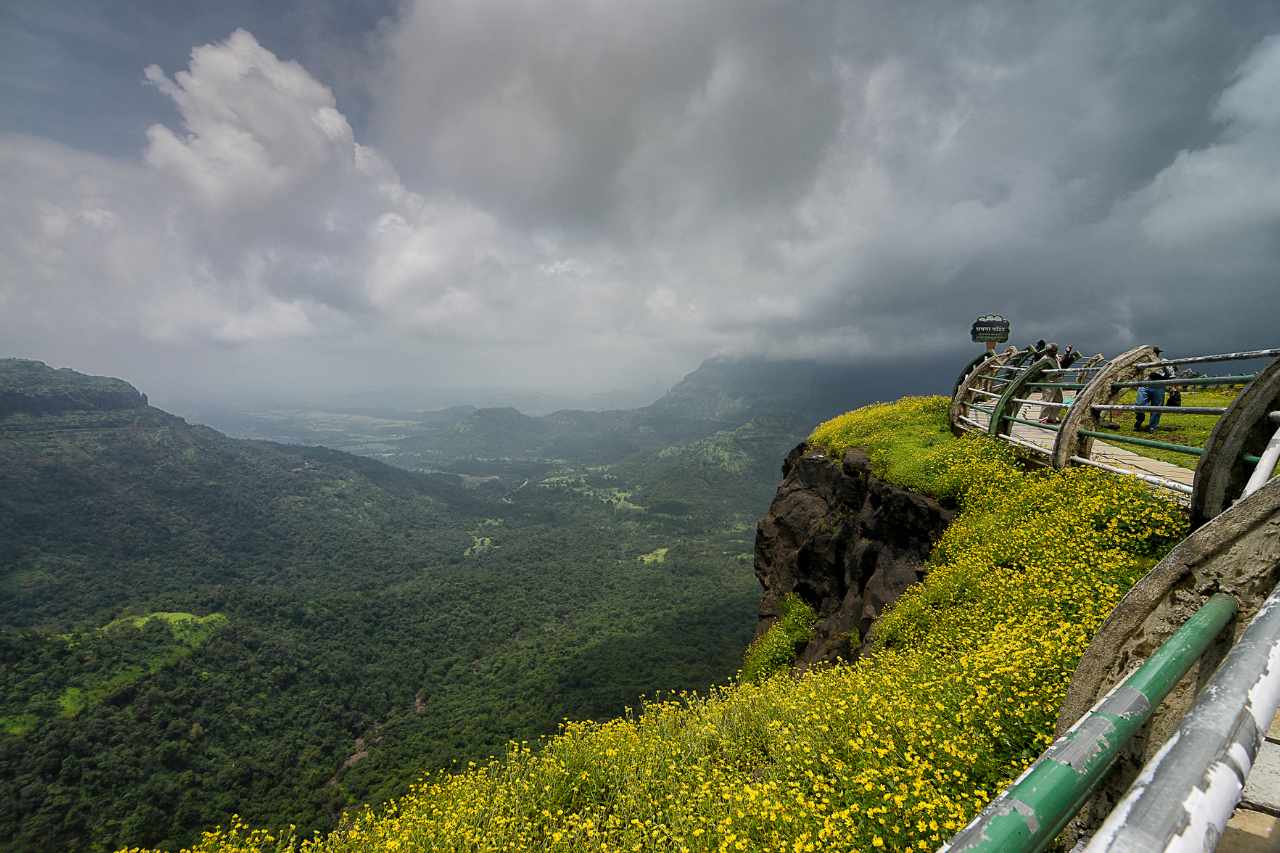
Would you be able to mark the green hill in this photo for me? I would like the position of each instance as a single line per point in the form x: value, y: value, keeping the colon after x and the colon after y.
x: 34, y: 388
x: 335, y: 624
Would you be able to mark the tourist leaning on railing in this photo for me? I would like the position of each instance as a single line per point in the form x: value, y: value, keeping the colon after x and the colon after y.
x: 1152, y: 395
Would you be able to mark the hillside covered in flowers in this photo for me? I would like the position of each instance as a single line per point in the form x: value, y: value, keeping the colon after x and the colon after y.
x: 894, y: 752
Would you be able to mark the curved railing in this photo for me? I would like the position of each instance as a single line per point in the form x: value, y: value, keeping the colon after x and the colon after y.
x: 1008, y: 396
x: 1200, y: 745
x: 1188, y: 789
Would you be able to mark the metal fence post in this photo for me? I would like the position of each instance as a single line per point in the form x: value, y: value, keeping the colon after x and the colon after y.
x: 1243, y: 430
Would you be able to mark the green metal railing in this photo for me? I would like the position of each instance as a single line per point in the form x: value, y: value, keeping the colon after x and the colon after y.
x: 1196, y: 380
x: 990, y: 397
x: 1035, y: 424
x: 1028, y: 815
x: 1145, y: 442
x: 1034, y: 810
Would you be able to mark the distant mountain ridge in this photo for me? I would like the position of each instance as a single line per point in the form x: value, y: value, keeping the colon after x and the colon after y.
x: 721, y: 394
x: 33, y: 387
x: 727, y: 388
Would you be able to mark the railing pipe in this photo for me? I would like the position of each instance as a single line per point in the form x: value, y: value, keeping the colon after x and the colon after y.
x: 1145, y: 442
x: 1013, y: 439
x: 1172, y: 485
x: 1080, y: 415
x: 1035, y: 424
x: 1206, y: 359
x: 1198, y: 380
x: 1266, y: 461
x: 1029, y: 814
x: 969, y: 369
x: 1012, y: 389
x: 978, y: 375
x: 1173, y: 410
x: 1185, y: 794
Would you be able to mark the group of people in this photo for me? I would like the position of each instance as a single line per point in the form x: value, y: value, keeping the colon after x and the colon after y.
x: 1050, y: 414
x: 1148, y: 395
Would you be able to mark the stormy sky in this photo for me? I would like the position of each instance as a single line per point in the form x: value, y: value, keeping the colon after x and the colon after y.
x: 300, y: 199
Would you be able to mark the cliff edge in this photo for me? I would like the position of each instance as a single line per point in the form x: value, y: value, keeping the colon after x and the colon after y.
x: 846, y: 542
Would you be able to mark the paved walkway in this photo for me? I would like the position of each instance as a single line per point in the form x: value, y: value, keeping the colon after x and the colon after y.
x: 1255, y: 826
x: 1108, y: 454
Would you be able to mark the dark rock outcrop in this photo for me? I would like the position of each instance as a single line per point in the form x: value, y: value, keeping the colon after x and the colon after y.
x: 846, y: 542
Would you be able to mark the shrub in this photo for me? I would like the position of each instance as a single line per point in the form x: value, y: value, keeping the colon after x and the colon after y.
x: 776, y: 648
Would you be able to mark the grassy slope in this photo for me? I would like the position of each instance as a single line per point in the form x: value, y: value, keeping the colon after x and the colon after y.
x: 1192, y: 430
x: 895, y: 752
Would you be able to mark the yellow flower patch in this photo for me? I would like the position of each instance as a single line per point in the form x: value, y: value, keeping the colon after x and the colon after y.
x: 895, y: 752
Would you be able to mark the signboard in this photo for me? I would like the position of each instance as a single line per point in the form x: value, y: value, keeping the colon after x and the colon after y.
x: 990, y: 328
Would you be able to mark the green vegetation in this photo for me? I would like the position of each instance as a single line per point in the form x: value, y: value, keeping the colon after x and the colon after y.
x: 776, y: 648
x: 18, y: 724
x: 721, y: 450
x: 657, y: 556
x: 186, y: 628
x: 1191, y: 430
x: 53, y: 680
x: 351, y: 609
x: 480, y: 545
x: 909, y: 444
x: 895, y: 752
x: 33, y: 388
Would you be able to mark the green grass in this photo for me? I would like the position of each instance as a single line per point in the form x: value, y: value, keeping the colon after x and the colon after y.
x: 480, y: 545
x: 186, y: 628
x: 1191, y: 430
x: 901, y: 439
x: 657, y: 556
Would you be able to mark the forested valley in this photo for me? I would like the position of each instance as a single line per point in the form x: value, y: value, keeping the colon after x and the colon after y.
x: 195, y: 625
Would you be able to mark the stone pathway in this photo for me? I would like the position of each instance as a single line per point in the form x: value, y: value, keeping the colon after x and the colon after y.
x: 1114, y: 455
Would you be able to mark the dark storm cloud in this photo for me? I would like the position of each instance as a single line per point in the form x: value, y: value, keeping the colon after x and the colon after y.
x: 591, y: 193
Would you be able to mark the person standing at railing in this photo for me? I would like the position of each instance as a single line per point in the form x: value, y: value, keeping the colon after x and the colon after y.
x: 1152, y: 395
x: 1053, y: 414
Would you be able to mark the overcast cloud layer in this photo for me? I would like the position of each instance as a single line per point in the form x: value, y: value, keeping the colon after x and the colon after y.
x: 593, y: 194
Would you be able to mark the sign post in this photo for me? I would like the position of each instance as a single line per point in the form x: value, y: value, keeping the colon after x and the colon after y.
x: 990, y: 329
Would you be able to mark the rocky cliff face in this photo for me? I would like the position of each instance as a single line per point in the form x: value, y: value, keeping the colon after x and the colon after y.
x: 846, y: 542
